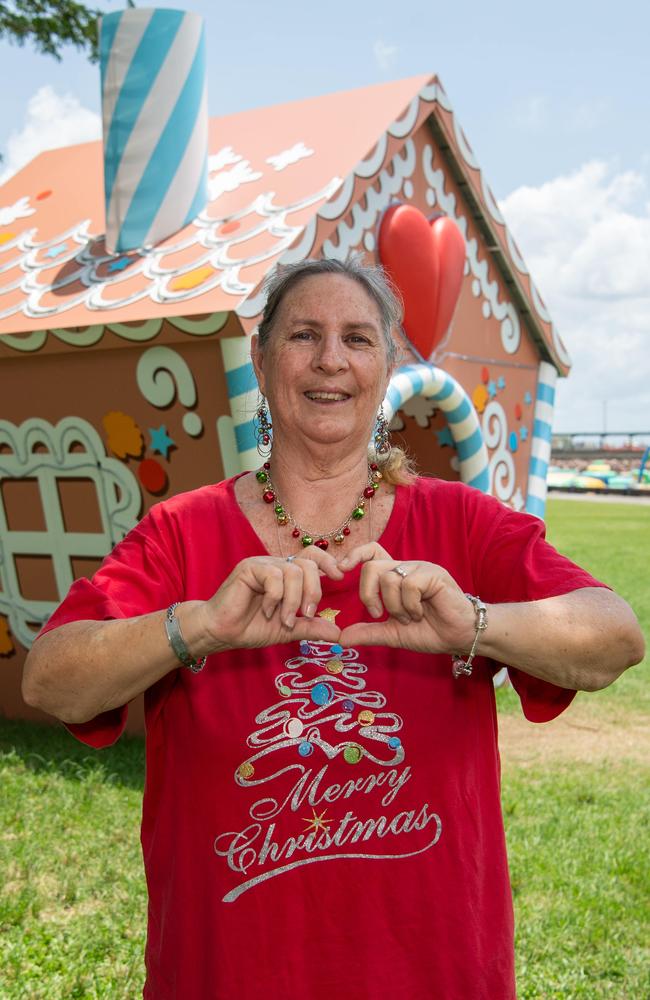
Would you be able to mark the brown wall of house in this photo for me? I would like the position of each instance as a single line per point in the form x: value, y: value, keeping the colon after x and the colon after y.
x: 60, y: 382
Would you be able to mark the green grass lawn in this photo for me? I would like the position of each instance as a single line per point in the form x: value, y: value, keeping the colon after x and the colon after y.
x: 578, y: 834
x: 611, y: 541
x: 72, y: 896
x: 579, y: 860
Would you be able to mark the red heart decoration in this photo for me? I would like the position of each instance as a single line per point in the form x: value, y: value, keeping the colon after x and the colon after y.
x: 410, y: 257
x: 426, y: 261
x: 450, y: 245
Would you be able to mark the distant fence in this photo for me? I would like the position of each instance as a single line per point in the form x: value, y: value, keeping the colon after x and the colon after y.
x: 608, y: 441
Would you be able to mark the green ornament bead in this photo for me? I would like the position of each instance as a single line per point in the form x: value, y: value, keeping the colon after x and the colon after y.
x: 375, y: 486
x: 353, y: 753
x: 307, y: 540
x: 261, y: 476
x: 279, y: 509
x: 358, y: 513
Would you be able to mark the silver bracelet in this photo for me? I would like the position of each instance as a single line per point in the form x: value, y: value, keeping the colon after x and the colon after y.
x: 177, y: 643
x: 459, y: 666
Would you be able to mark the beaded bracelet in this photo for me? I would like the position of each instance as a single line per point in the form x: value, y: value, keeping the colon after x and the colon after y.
x: 176, y: 641
x: 459, y: 666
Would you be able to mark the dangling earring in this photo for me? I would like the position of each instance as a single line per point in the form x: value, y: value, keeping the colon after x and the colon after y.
x: 382, y: 434
x: 263, y: 429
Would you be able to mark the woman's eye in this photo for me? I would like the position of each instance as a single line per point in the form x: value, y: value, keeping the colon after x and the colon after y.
x: 358, y: 338
x: 302, y: 335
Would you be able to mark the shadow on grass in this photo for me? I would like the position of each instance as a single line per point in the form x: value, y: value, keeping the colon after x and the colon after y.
x: 52, y: 749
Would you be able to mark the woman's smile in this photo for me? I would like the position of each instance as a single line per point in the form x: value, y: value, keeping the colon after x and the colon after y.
x: 327, y: 396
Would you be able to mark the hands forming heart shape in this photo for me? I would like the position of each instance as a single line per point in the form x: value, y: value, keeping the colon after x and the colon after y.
x: 267, y: 600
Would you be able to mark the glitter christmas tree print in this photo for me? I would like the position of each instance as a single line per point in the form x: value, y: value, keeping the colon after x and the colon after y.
x: 324, y: 709
x: 326, y: 765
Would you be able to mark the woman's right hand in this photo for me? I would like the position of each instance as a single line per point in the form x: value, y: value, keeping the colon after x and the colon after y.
x: 259, y: 603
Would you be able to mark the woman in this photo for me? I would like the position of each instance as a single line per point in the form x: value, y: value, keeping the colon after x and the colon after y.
x: 341, y: 716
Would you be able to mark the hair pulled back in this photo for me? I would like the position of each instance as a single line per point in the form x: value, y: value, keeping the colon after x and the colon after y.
x: 397, y: 467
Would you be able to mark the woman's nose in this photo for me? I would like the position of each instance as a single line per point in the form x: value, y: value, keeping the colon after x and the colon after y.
x: 331, y: 356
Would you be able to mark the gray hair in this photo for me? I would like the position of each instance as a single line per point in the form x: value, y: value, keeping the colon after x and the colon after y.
x: 373, y: 279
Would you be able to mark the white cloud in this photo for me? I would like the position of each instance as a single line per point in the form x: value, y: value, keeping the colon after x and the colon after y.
x: 586, y: 242
x: 584, y: 116
x: 52, y: 120
x: 384, y: 53
x: 537, y: 113
x: 531, y: 113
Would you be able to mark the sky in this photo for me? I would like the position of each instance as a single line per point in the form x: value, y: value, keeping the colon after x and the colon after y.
x: 554, y: 99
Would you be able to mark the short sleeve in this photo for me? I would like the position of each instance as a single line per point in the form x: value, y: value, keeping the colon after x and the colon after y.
x: 516, y: 563
x: 142, y: 574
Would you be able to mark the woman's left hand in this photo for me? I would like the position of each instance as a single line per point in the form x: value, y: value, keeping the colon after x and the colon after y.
x: 428, y: 612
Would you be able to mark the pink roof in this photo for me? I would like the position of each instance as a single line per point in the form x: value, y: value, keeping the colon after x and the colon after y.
x: 280, y: 179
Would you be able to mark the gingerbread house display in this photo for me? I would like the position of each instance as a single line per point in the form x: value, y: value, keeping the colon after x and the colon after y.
x: 125, y: 377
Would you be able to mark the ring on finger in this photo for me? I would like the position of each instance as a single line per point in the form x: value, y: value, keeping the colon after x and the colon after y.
x: 290, y: 558
x: 400, y: 571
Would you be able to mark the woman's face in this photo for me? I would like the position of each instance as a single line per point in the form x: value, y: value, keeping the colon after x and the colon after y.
x: 324, y: 369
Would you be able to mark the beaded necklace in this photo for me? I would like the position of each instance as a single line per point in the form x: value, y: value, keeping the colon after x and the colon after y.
x: 321, y: 539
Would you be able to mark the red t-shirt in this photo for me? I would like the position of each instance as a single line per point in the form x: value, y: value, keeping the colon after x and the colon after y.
x: 293, y: 846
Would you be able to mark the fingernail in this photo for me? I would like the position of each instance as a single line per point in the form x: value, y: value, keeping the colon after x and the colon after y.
x: 403, y: 619
x: 375, y: 611
x: 290, y: 621
x: 310, y: 611
x: 268, y: 612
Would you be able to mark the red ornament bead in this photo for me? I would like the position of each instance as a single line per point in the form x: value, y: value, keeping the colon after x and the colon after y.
x: 346, y: 531
x: 369, y: 492
x: 268, y: 496
x: 374, y: 466
x: 267, y: 465
x: 322, y: 543
x: 265, y: 439
x: 295, y: 533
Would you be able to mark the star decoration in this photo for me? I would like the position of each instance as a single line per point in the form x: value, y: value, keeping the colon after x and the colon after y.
x: 160, y: 440
x: 492, y: 388
x: 318, y: 822
x: 528, y: 399
x: 501, y: 383
x: 56, y: 251
x: 329, y: 614
x: 445, y: 438
x: 120, y: 264
x: 523, y: 433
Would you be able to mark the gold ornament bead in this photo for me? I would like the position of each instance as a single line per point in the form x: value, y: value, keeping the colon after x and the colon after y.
x: 334, y: 666
x: 366, y: 718
x: 246, y: 770
x: 283, y: 519
x: 339, y: 539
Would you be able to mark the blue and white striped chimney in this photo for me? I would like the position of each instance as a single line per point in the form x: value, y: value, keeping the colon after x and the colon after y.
x: 155, y: 123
